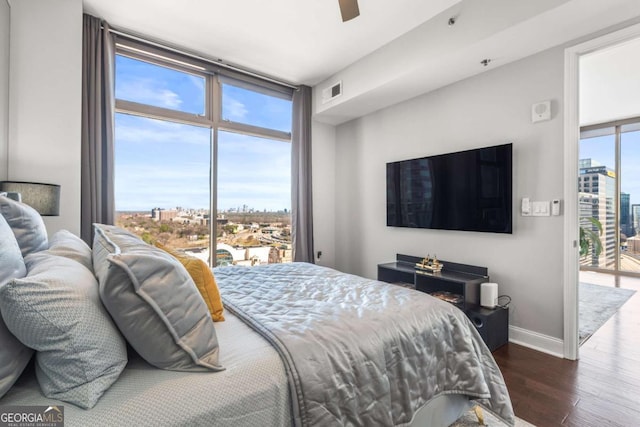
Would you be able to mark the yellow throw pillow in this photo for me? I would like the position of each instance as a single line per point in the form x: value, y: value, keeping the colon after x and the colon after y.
x: 203, y: 277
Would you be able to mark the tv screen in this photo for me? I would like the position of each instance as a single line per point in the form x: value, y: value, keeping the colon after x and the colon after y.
x: 468, y: 190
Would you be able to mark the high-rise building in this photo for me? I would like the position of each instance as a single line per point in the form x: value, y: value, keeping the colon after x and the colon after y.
x: 626, y: 226
x: 597, y: 190
x: 635, y: 215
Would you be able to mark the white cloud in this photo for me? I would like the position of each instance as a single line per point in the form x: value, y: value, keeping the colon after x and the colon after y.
x: 134, y: 130
x: 233, y: 109
x: 198, y: 82
x: 147, y: 91
x: 145, y: 186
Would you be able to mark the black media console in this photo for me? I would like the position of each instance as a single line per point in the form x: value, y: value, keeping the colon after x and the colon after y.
x: 462, y: 280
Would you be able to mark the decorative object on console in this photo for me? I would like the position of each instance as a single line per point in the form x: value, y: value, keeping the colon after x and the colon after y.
x: 432, y: 265
x: 44, y: 198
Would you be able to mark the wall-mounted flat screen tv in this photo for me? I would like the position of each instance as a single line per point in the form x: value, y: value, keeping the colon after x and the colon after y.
x: 467, y: 190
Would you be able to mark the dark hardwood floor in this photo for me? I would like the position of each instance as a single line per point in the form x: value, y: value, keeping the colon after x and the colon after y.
x: 600, y: 389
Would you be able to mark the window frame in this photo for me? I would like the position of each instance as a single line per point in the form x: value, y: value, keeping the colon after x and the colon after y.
x: 614, y: 128
x: 214, y: 76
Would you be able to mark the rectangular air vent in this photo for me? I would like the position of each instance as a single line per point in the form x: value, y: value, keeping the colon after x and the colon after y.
x: 332, y: 92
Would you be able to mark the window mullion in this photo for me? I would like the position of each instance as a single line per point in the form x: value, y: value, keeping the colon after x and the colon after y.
x: 153, y: 112
x: 214, y: 94
x: 616, y: 202
x: 254, y: 131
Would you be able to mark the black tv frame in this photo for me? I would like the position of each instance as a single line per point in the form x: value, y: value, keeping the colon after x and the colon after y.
x: 481, y: 199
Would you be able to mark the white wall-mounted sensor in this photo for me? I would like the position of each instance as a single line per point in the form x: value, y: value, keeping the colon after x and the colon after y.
x: 541, y: 111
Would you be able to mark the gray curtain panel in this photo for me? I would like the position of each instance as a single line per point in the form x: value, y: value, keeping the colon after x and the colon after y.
x: 98, y: 109
x: 301, y: 194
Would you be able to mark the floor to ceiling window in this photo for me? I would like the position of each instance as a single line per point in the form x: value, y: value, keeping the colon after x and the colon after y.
x: 609, y: 192
x: 198, y: 154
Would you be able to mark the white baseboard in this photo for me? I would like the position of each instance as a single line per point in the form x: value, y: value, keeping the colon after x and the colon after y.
x: 536, y: 341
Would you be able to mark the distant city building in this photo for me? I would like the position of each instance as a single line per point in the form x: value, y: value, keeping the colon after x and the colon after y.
x: 626, y: 224
x: 167, y: 215
x: 155, y: 214
x: 596, y: 186
x: 635, y: 214
x: 633, y: 244
x: 588, y: 163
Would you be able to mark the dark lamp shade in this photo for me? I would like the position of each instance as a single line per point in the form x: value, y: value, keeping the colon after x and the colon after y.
x: 44, y: 198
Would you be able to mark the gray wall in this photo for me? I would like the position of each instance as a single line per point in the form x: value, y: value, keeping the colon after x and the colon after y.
x: 488, y: 109
x: 324, y: 184
x: 45, y: 100
x: 4, y: 87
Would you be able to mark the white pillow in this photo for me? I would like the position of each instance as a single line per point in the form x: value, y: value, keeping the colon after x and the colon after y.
x: 56, y: 310
x: 65, y: 243
x: 14, y: 356
x: 27, y: 225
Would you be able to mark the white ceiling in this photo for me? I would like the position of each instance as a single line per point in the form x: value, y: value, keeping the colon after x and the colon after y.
x: 393, y: 51
x: 299, y: 41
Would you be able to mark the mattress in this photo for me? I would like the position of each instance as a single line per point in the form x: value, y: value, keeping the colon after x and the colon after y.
x: 251, y: 391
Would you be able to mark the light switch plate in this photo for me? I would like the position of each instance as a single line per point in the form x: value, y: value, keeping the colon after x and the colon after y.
x: 540, y: 208
x: 526, y: 207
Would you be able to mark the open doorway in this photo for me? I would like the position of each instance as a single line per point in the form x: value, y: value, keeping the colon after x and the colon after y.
x: 608, y: 181
x: 602, y: 141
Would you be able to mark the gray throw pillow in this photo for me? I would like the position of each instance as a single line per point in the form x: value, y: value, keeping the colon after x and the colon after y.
x: 154, y: 302
x: 14, y: 356
x: 11, y: 261
x: 56, y: 310
x: 65, y: 243
x: 27, y: 225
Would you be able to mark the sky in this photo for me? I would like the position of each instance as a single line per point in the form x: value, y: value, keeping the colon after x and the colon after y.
x: 167, y: 164
x: 602, y: 149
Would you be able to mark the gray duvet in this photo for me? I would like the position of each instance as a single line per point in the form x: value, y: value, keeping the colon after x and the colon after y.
x: 362, y: 352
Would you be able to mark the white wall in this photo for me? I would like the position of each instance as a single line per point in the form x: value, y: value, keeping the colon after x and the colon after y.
x: 45, y: 100
x: 609, y: 84
x: 488, y: 109
x: 324, y: 185
x: 4, y: 86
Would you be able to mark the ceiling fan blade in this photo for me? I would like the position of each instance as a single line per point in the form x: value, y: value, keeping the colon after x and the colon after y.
x: 349, y: 9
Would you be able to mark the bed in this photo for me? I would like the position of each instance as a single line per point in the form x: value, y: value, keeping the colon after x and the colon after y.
x: 300, y: 345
